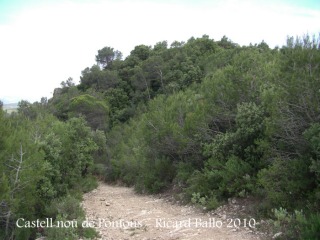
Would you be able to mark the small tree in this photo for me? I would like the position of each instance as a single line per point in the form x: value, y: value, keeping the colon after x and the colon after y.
x: 106, y: 55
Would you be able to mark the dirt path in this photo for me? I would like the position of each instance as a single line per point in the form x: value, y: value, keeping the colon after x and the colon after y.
x: 119, y: 213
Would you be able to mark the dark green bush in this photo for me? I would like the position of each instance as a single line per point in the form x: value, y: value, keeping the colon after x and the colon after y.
x: 286, y: 182
x: 311, y: 229
x: 88, y: 184
x: 184, y: 171
x: 157, y: 175
x: 312, y: 135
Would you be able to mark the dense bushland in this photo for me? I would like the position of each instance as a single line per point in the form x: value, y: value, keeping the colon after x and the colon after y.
x: 211, y: 118
x: 45, y: 166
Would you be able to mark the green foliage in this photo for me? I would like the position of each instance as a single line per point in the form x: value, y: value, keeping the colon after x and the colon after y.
x: 88, y: 233
x: 210, y: 203
x: 223, y: 179
x: 119, y: 103
x: 95, y: 111
x: 197, y: 199
x: 155, y: 176
x: 59, y: 104
x: 88, y: 184
x: 67, y: 206
x: 313, y: 137
x: 41, y: 159
x: 311, y: 227
x: 68, y: 209
x: 184, y: 172
x: 286, y: 182
x: 235, y: 156
x: 21, y: 169
x: 64, y: 233
x: 223, y: 136
x: 290, y: 224
x: 214, y: 118
x: 72, y: 230
x: 99, y: 137
x: 69, y: 153
x: 142, y: 52
x: 106, y: 56
x: 297, y: 225
x: 26, y: 109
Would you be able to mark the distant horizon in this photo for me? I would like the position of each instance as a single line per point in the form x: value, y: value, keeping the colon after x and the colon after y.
x: 11, y: 104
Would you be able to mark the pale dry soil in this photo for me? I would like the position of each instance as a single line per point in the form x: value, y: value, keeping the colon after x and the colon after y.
x: 119, y: 213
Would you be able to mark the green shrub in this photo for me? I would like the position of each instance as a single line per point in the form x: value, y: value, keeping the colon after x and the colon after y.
x: 63, y: 233
x: 88, y: 184
x: 311, y: 228
x: 201, y: 182
x: 68, y: 207
x: 198, y: 199
x: 223, y: 180
x: 87, y: 233
x: 99, y: 170
x: 155, y: 175
x: 235, y: 177
x: 212, y: 203
x: 184, y: 171
x: 297, y: 225
x: 286, y: 182
x: 289, y: 224
x: 312, y: 135
x: 22, y: 233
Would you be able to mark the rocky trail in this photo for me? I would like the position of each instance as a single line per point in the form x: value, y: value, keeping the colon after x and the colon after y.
x: 119, y: 213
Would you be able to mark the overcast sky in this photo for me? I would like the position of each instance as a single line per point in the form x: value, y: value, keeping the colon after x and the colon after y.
x: 44, y: 42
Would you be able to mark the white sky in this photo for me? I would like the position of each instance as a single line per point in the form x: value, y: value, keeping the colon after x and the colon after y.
x: 43, y: 45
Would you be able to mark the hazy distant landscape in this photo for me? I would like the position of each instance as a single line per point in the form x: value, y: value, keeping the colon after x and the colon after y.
x: 10, y: 107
